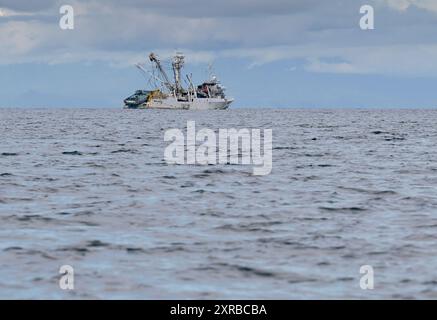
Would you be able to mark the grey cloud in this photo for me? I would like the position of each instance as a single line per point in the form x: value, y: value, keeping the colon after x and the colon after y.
x: 220, y: 8
x: 26, y: 5
x: 256, y: 30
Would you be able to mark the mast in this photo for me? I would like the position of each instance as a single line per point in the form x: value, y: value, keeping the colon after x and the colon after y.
x: 166, y: 81
x: 178, y: 62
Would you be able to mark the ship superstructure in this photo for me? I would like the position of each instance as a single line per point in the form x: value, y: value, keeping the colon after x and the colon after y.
x: 171, y: 94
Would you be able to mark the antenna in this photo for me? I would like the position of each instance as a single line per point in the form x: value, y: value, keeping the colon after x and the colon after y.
x: 210, y: 70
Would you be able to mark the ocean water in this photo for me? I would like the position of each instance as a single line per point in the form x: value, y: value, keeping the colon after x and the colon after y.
x: 90, y: 188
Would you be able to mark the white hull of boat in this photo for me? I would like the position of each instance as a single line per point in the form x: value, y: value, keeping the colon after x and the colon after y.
x: 196, y: 104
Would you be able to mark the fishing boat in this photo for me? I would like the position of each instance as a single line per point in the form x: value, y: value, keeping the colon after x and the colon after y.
x: 171, y: 94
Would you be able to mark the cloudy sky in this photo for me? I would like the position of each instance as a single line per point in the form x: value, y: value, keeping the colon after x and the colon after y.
x: 281, y: 53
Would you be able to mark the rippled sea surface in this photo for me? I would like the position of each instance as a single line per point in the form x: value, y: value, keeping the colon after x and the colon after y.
x: 90, y: 188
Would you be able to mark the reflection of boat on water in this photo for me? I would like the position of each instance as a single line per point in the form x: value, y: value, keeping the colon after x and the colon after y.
x: 210, y: 95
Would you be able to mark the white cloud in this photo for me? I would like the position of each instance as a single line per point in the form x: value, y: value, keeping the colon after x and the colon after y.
x: 384, y: 59
x: 6, y: 13
x: 316, y: 65
x: 19, y: 38
x: 403, y: 5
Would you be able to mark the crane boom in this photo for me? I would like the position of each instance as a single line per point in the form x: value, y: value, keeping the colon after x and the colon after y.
x: 166, y: 81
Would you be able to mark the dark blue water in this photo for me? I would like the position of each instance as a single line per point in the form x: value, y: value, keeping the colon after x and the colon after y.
x: 90, y: 188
